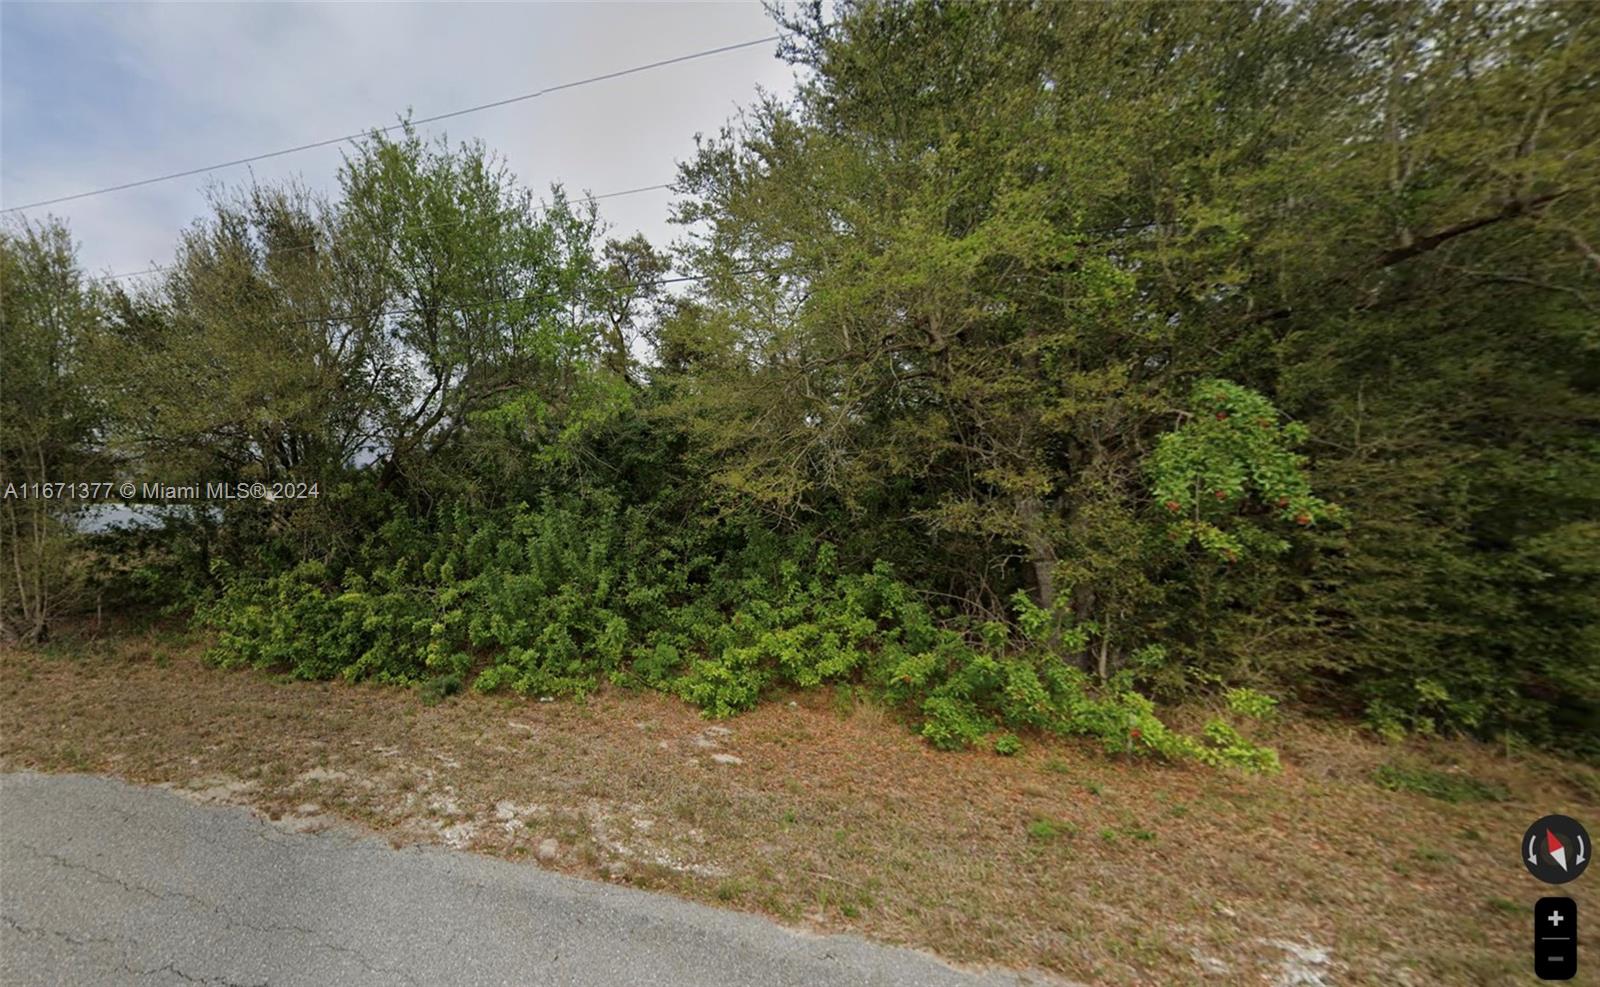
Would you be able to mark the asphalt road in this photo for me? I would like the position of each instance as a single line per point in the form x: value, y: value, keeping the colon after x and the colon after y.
x: 106, y: 883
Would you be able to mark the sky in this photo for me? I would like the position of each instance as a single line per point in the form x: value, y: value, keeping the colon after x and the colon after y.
x: 100, y: 94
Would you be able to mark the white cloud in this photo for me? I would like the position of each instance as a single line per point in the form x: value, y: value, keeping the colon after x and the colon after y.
x: 100, y: 94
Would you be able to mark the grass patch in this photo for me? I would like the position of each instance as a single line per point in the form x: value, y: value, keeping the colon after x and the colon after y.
x: 437, y: 689
x: 1446, y: 787
x: 1047, y: 830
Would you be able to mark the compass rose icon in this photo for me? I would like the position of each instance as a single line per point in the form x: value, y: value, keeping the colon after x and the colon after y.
x: 1556, y: 849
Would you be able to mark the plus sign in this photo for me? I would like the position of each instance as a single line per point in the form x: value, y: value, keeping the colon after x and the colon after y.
x: 1556, y: 917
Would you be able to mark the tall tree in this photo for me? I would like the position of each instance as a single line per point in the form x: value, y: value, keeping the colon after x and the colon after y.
x: 997, y: 245
x: 49, y: 420
x: 482, y: 290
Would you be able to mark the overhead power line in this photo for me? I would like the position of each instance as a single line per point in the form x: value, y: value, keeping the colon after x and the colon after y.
x: 430, y: 119
x: 311, y: 244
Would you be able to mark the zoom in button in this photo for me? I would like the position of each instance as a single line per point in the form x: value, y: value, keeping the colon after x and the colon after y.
x: 1555, y: 939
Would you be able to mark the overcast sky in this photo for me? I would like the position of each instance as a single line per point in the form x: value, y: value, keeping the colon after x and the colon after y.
x: 99, y: 94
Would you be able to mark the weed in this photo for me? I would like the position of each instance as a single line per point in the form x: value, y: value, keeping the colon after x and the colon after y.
x: 437, y: 688
x: 1045, y: 830
x: 75, y: 758
x: 844, y: 700
x: 1453, y: 788
x: 1249, y: 702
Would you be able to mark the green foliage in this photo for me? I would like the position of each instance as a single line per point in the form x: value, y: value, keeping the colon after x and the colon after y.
x: 1228, y: 747
x: 556, y: 600
x: 1048, y: 830
x: 1251, y: 702
x: 439, y: 688
x: 1232, y: 454
x: 50, y: 412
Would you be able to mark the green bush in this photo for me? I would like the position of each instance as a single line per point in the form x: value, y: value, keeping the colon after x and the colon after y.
x: 552, y: 601
x: 1228, y: 747
x: 1249, y: 702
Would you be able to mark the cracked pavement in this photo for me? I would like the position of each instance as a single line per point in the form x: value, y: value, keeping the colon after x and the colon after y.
x: 106, y: 883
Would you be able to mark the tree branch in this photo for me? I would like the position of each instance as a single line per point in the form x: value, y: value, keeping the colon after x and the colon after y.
x: 1422, y: 245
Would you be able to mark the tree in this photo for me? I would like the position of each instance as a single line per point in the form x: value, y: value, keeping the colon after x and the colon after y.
x: 481, y: 296
x: 49, y: 421
x: 352, y: 343
x: 987, y: 286
x: 631, y: 300
x: 997, y: 246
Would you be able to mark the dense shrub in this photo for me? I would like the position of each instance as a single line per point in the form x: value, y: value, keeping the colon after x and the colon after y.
x: 554, y: 600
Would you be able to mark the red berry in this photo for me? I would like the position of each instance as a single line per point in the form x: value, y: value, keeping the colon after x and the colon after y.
x: 1222, y: 495
x: 1222, y: 416
x: 1174, y: 506
x: 1135, y: 734
x: 1302, y: 518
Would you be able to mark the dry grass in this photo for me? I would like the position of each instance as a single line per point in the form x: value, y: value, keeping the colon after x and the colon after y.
x: 835, y: 817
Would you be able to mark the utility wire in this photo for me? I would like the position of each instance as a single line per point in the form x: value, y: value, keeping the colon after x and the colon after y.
x: 383, y: 130
x: 312, y: 244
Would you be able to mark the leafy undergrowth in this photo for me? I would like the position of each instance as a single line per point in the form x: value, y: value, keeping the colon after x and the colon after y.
x: 554, y: 602
x: 819, y: 810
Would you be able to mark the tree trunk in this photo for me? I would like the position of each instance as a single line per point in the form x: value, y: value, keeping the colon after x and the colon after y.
x: 1041, y: 551
x: 1083, y: 604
